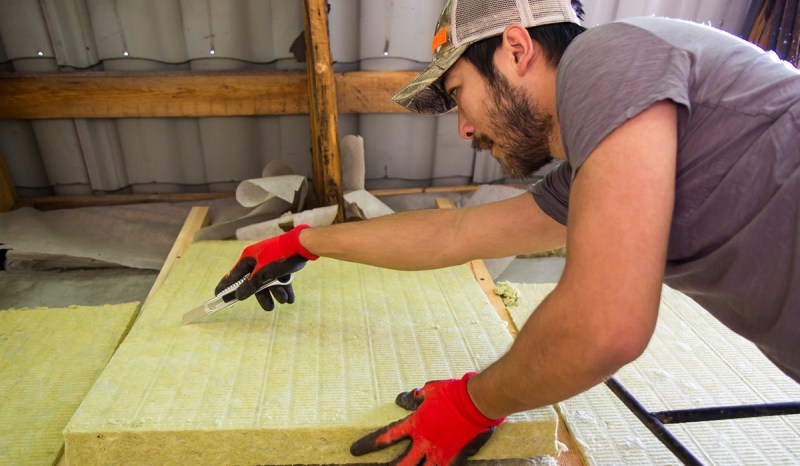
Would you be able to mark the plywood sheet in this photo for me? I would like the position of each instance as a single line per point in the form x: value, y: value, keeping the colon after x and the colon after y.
x: 50, y: 359
x: 692, y: 361
x: 297, y: 385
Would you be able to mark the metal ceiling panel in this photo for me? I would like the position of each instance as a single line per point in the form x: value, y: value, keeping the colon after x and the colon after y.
x: 213, y: 154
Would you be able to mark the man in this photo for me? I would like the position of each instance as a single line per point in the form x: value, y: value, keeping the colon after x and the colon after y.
x: 682, y: 165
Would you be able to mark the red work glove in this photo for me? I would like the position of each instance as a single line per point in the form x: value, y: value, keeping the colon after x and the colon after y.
x: 445, y: 429
x: 275, y: 257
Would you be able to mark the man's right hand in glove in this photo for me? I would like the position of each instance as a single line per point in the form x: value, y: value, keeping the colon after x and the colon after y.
x: 265, y: 261
x: 445, y: 428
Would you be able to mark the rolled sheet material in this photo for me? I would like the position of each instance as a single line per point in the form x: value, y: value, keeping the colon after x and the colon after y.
x: 51, y: 357
x: 362, y: 205
x: 351, y: 148
x: 264, y: 199
x: 291, y: 189
x: 320, y: 216
x: 297, y: 385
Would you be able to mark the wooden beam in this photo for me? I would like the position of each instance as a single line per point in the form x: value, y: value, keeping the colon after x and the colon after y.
x: 187, y: 94
x: 198, y: 218
x: 112, y: 95
x: 371, y: 91
x: 323, y: 112
x: 92, y: 200
x: 425, y: 190
x: 95, y: 200
x: 484, y: 279
x: 8, y: 195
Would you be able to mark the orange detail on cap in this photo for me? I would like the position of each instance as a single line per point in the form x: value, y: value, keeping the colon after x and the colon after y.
x: 439, y: 39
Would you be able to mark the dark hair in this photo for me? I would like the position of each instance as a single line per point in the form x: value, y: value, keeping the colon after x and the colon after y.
x: 553, y: 38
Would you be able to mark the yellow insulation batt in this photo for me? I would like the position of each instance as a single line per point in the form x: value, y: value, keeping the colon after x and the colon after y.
x: 297, y: 385
x: 50, y: 359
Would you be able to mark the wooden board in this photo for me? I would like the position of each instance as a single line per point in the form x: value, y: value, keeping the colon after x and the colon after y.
x: 197, y: 219
x: 99, y: 94
x: 8, y: 195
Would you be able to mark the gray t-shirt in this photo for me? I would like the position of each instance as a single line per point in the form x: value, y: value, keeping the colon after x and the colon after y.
x: 734, y: 243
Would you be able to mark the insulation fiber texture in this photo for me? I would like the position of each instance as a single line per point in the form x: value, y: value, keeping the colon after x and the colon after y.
x: 297, y: 385
x: 50, y: 359
x: 692, y: 361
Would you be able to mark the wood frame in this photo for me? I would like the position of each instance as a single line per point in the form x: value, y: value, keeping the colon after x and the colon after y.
x: 74, y: 201
x: 320, y: 93
x: 188, y: 94
x: 323, y: 114
x: 194, y: 95
x: 8, y: 195
x: 198, y: 218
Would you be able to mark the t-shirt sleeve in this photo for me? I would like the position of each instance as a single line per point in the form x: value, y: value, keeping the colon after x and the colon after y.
x: 610, y: 74
x: 551, y: 193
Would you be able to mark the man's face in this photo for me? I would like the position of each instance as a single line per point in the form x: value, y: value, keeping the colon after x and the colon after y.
x: 502, y: 119
x: 521, y: 131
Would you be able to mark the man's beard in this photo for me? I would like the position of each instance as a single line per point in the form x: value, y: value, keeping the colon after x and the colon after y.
x: 521, y: 130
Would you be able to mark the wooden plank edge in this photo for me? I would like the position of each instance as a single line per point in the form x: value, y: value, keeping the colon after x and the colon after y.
x: 96, y: 200
x: 8, y: 194
x: 98, y: 94
x: 572, y: 455
x: 425, y: 190
x: 484, y: 279
x: 108, y: 200
x: 198, y: 218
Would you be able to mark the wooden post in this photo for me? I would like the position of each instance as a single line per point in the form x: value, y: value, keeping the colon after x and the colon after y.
x: 8, y: 195
x: 323, y: 112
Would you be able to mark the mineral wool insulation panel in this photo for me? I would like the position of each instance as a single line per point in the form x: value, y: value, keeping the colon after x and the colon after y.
x: 692, y: 361
x: 297, y: 385
x: 50, y: 359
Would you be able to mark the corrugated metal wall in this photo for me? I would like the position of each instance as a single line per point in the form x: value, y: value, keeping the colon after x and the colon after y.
x: 213, y: 154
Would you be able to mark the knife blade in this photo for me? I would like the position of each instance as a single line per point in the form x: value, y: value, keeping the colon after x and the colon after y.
x: 226, y: 298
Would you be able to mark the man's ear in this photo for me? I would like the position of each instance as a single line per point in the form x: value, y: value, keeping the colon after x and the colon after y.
x: 521, y: 47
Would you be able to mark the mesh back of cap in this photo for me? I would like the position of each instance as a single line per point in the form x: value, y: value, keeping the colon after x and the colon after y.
x: 477, y: 19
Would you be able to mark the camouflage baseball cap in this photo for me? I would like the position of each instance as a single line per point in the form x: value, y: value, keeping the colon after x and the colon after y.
x: 464, y: 22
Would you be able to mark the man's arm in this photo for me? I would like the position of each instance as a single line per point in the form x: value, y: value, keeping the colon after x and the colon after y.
x: 426, y: 239
x: 414, y: 240
x: 603, y: 311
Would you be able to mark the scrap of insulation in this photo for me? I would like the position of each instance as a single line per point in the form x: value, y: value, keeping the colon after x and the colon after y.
x: 507, y: 293
x: 297, y: 385
x: 51, y: 358
x: 692, y: 361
